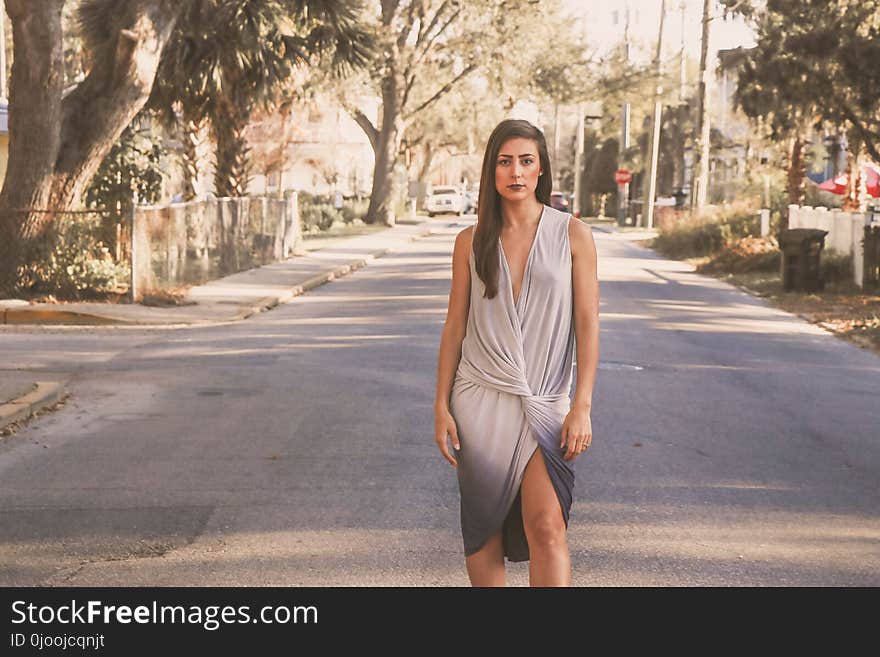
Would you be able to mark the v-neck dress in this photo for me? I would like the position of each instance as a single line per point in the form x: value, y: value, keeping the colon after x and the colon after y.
x: 510, y: 394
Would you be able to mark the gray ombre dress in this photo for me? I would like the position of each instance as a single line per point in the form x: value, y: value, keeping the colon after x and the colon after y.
x: 510, y: 395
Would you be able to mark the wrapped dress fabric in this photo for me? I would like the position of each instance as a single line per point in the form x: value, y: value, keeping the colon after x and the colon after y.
x: 510, y: 394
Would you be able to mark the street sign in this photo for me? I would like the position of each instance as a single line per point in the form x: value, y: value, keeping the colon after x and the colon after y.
x: 622, y: 176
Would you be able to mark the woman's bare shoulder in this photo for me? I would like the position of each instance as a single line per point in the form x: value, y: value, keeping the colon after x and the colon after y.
x: 463, y: 239
x: 580, y: 235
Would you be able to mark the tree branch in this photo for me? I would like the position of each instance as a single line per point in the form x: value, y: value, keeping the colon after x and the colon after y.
x: 407, y: 26
x: 366, y: 125
x: 434, y: 20
x: 100, y: 107
x: 427, y: 47
x: 869, y: 138
x: 408, y: 81
x: 442, y: 92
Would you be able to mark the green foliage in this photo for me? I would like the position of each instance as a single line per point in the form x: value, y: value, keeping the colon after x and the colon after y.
x: 601, y: 168
x: 71, y: 262
x: 317, y: 212
x: 836, y: 267
x: 354, y: 209
x: 815, y: 62
x: 227, y: 58
x: 708, y: 234
x: 133, y: 166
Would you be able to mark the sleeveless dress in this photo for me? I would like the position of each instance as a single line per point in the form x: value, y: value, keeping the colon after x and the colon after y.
x: 510, y: 394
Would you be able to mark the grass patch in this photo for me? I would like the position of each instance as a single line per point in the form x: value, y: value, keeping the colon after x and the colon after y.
x: 346, y: 230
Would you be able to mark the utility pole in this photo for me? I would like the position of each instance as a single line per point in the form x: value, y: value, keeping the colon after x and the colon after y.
x: 623, y: 190
x: 682, y: 88
x: 650, y: 188
x: 578, y: 156
x: 556, y: 128
x: 702, y: 153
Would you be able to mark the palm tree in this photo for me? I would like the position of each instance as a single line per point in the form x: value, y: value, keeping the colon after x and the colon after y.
x: 227, y: 57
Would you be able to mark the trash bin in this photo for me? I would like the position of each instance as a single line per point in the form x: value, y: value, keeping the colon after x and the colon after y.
x: 801, y: 250
x: 680, y: 195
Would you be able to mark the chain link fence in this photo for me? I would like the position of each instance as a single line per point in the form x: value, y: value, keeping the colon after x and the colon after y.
x: 98, y: 254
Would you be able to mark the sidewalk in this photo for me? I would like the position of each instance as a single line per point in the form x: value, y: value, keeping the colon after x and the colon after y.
x: 227, y: 299
x: 234, y: 297
x: 628, y: 233
x: 243, y: 294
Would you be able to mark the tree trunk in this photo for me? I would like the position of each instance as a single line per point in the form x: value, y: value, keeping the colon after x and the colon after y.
x: 796, y: 172
x: 36, y: 82
x: 55, y: 145
x: 387, y: 145
x: 232, y: 173
x: 796, y: 175
x: 428, y: 158
x: 189, y: 156
x: 856, y: 196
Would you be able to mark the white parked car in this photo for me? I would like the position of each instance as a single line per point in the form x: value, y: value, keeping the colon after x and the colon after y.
x: 443, y: 199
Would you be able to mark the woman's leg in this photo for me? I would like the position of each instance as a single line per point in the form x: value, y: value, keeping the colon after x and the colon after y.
x: 549, y: 563
x: 486, y: 567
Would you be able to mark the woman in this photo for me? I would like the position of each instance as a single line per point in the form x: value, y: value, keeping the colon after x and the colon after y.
x: 524, y: 291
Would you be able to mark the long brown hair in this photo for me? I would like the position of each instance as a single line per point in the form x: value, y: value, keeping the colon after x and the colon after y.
x: 489, y: 221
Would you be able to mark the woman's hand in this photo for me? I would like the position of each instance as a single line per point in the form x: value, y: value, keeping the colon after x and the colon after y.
x: 444, y: 424
x: 577, y: 432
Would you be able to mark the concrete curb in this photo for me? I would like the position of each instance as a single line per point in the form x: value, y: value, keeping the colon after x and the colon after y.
x: 320, y: 279
x: 44, y: 394
x: 49, y: 316
x: 42, y: 315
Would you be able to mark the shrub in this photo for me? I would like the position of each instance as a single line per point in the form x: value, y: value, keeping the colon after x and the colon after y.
x: 317, y: 212
x: 836, y: 267
x: 71, y: 261
x: 709, y: 233
x: 319, y: 217
x: 354, y: 209
x: 348, y: 214
x: 745, y: 255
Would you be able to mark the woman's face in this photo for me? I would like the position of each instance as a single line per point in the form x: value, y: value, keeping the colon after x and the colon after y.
x: 517, y: 168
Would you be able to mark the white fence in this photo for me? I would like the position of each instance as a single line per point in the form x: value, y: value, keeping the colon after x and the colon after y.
x: 846, y: 231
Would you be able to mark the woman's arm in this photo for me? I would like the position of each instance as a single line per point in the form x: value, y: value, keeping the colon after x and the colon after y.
x: 450, y: 343
x: 585, y: 281
x: 577, y: 430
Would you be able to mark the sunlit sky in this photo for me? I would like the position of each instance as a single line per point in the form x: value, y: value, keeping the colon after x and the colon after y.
x: 603, y: 24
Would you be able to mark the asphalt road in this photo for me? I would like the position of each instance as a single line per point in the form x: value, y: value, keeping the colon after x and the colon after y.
x: 733, y: 444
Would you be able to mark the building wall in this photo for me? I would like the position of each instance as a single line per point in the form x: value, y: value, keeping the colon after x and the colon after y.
x: 328, y: 152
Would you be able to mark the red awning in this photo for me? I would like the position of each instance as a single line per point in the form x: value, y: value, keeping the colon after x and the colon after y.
x: 838, y: 185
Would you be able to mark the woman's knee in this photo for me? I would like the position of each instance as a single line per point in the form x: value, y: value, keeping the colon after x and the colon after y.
x: 545, y: 529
